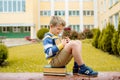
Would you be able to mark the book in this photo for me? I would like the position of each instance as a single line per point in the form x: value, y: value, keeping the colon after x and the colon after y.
x: 48, y: 70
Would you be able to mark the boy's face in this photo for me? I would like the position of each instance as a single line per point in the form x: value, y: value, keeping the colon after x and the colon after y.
x: 56, y: 29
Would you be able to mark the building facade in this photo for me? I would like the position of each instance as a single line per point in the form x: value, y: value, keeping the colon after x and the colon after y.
x: 108, y: 11
x: 78, y: 14
x: 20, y: 18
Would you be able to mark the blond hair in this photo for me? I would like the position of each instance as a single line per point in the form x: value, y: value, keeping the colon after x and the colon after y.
x: 56, y: 20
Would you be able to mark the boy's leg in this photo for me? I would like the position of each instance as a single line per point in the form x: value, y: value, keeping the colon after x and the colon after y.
x: 74, y: 48
x: 61, y: 59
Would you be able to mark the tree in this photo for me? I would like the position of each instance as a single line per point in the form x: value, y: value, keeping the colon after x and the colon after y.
x: 100, y: 39
x: 95, y: 38
x: 108, y: 35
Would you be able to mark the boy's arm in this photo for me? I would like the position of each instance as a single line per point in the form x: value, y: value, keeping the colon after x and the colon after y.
x: 49, y: 48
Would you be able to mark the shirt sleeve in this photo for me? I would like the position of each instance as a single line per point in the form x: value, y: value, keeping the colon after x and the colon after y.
x: 49, y: 49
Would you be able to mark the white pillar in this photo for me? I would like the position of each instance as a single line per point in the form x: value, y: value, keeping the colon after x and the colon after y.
x: 81, y: 15
x: 33, y: 32
x: 52, y: 7
x: 66, y: 13
x: 95, y: 14
x: 39, y: 14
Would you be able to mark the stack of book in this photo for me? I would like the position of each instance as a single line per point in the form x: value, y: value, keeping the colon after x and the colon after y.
x: 48, y: 70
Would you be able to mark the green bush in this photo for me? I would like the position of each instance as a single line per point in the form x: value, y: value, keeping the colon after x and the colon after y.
x: 88, y: 33
x: 95, y: 38
x: 41, y: 32
x: 94, y: 31
x: 114, y: 43
x: 70, y: 33
x: 118, y: 45
x: 107, y: 36
x: 81, y: 36
x: 73, y: 35
x: 3, y: 53
x: 100, y: 39
x: 66, y: 32
x: 119, y: 27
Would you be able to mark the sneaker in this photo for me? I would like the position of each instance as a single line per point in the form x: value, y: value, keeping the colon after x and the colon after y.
x: 75, y: 71
x: 86, y: 71
x: 75, y: 68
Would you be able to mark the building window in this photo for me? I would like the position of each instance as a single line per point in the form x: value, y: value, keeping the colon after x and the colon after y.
x: 1, y: 6
x: 59, y: 13
x: 18, y: 6
x: 110, y: 3
x: 12, y: 5
x: 45, y: 26
x: 88, y: 12
x: 116, y: 18
x: 104, y: 5
x: 16, y: 29
x: 75, y: 27
x: 45, y: 13
x: 74, y: 13
x: 84, y: 13
x: 26, y: 29
x: 111, y: 20
x: 104, y: 24
x: 88, y: 26
x: 44, y: 0
x: 5, y: 29
x: 115, y: 1
x: 5, y: 6
x: 23, y: 5
x: 9, y: 6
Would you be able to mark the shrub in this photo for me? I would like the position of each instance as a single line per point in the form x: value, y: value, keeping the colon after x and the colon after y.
x: 94, y: 31
x: 28, y: 38
x: 114, y: 43
x: 66, y: 32
x: 70, y: 33
x: 119, y: 27
x: 100, y: 39
x: 81, y: 36
x: 3, y: 53
x: 118, y: 45
x: 73, y: 35
x: 41, y: 32
x: 88, y: 33
x: 95, y: 38
x: 106, y: 40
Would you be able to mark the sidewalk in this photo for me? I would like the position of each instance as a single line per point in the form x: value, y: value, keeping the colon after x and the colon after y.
x: 40, y: 76
x: 15, y: 42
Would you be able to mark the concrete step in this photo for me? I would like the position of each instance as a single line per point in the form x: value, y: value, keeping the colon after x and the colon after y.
x: 40, y: 76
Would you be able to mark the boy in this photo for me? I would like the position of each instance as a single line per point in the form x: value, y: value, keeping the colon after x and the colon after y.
x: 60, y: 54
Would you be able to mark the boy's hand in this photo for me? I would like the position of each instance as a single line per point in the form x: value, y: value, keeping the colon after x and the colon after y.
x: 67, y: 39
x: 64, y: 42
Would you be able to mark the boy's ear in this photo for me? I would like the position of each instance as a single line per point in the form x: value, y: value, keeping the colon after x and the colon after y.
x: 51, y: 25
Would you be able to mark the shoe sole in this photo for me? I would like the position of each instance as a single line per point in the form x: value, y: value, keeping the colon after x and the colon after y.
x: 83, y: 75
x: 75, y: 73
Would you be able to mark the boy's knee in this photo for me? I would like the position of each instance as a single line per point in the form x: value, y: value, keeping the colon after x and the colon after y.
x: 73, y: 44
x: 79, y: 42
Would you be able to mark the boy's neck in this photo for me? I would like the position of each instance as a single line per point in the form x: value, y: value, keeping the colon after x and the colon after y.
x: 52, y: 33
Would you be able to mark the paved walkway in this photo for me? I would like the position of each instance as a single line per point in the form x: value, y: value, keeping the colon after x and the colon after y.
x: 15, y: 42
x: 40, y: 76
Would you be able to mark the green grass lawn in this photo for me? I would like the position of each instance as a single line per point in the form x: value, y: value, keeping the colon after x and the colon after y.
x: 31, y: 58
